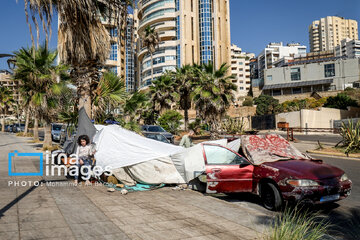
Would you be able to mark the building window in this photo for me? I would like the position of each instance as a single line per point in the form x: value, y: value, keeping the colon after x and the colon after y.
x: 329, y: 70
x: 276, y: 92
x: 269, y: 77
x: 178, y: 56
x: 295, y: 74
x: 113, y: 32
x: 241, y: 88
x: 296, y: 90
x: 114, y: 51
x: 114, y: 70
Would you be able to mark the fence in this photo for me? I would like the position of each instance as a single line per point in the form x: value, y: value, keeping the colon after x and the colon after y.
x: 263, y: 122
x: 338, y: 123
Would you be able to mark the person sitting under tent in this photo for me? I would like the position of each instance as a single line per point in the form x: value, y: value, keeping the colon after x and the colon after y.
x: 84, y: 153
x: 186, y: 140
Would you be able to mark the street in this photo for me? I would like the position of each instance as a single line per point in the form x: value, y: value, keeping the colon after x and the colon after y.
x: 143, y: 215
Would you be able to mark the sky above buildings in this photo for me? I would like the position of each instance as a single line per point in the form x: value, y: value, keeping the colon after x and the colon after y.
x: 253, y: 23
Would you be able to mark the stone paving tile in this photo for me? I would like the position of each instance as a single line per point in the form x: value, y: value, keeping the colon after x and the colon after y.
x: 9, y: 227
x: 46, y: 233
x: 94, y: 229
x: 163, y: 235
x: 9, y: 235
x: 29, y: 225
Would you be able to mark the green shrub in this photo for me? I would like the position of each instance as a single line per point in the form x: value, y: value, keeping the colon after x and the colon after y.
x: 248, y: 102
x: 195, y: 125
x: 170, y: 120
x: 350, y: 134
x: 267, y: 105
x: 233, y: 125
x: 297, y: 225
x: 340, y: 101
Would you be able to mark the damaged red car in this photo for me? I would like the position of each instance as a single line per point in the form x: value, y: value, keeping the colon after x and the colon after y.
x: 269, y: 166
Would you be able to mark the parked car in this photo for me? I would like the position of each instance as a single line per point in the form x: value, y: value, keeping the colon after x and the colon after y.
x: 157, y: 129
x: 8, y: 128
x: 286, y: 180
x: 55, y: 131
x: 157, y: 137
x: 18, y: 127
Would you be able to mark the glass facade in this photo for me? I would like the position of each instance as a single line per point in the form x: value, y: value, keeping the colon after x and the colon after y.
x: 205, y: 19
x: 114, y: 52
x: 329, y: 70
x: 178, y: 56
x: 113, y: 32
x: 295, y: 74
x: 130, y: 55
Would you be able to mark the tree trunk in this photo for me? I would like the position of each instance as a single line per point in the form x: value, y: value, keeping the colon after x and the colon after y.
x: 36, y: 129
x: 27, y: 121
x: 3, y: 123
x: 47, y: 137
x: 186, y: 118
x: 85, y: 94
x: 152, y: 67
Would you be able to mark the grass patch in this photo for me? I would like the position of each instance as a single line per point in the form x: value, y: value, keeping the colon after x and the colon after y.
x: 297, y: 224
x: 51, y: 148
x: 21, y: 134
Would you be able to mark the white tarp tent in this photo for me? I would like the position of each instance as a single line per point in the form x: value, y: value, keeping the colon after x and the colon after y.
x: 132, y: 157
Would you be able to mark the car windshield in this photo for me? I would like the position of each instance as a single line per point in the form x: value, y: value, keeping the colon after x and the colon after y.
x: 157, y: 137
x: 155, y: 129
x: 56, y: 127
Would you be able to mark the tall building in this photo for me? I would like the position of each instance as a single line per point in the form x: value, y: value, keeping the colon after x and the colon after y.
x: 192, y: 31
x: 6, y: 80
x: 240, y: 69
x: 117, y: 56
x: 349, y: 48
x: 130, y: 54
x: 275, y: 52
x: 327, y: 33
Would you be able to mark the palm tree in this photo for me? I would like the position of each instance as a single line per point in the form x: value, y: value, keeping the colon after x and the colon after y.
x: 83, y: 41
x: 43, y: 82
x: 151, y: 40
x: 162, y: 92
x: 213, y: 94
x: 6, y: 101
x: 110, y: 93
x: 136, y: 105
x: 185, y: 78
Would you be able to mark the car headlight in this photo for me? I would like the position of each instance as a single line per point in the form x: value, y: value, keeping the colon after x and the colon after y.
x: 302, y: 183
x: 344, y: 177
x: 203, y: 178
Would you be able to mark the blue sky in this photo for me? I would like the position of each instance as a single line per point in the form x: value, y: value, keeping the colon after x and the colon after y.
x: 254, y: 23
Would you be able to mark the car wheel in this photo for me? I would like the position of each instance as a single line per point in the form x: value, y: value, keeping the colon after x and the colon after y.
x: 270, y: 196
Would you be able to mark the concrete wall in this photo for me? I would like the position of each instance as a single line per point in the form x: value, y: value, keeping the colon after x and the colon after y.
x: 322, y: 118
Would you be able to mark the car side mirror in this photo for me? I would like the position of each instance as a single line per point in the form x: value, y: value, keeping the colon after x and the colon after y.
x: 244, y: 164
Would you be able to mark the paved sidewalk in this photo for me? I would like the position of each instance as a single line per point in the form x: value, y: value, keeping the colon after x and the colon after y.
x: 90, y: 212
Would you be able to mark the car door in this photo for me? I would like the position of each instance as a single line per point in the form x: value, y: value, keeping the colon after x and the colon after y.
x: 226, y: 170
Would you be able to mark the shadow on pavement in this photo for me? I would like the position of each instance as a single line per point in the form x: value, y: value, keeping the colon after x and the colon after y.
x: 17, y: 199
x: 8, y: 144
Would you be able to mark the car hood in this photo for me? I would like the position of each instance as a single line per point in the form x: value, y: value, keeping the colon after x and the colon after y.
x: 306, y: 169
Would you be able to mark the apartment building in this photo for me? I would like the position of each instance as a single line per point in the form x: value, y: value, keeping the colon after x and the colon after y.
x: 313, y: 76
x: 276, y: 51
x: 240, y: 69
x: 192, y: 31
x: 7, y: 81
x: 328, y: 32
x: 349, y: 48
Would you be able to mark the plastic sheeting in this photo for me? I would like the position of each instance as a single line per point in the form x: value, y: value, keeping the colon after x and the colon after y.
x: 117, y: 147
x: 268, y: 148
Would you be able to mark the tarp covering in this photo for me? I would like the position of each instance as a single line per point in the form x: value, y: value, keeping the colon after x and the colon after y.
x: 268, y: 148
x: 134, y: 157
x: 117, y: 147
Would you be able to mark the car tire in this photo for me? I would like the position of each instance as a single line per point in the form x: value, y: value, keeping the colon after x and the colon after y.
x: 270, y: 196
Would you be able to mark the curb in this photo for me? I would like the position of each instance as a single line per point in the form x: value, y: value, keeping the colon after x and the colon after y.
x: 334, y: 154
